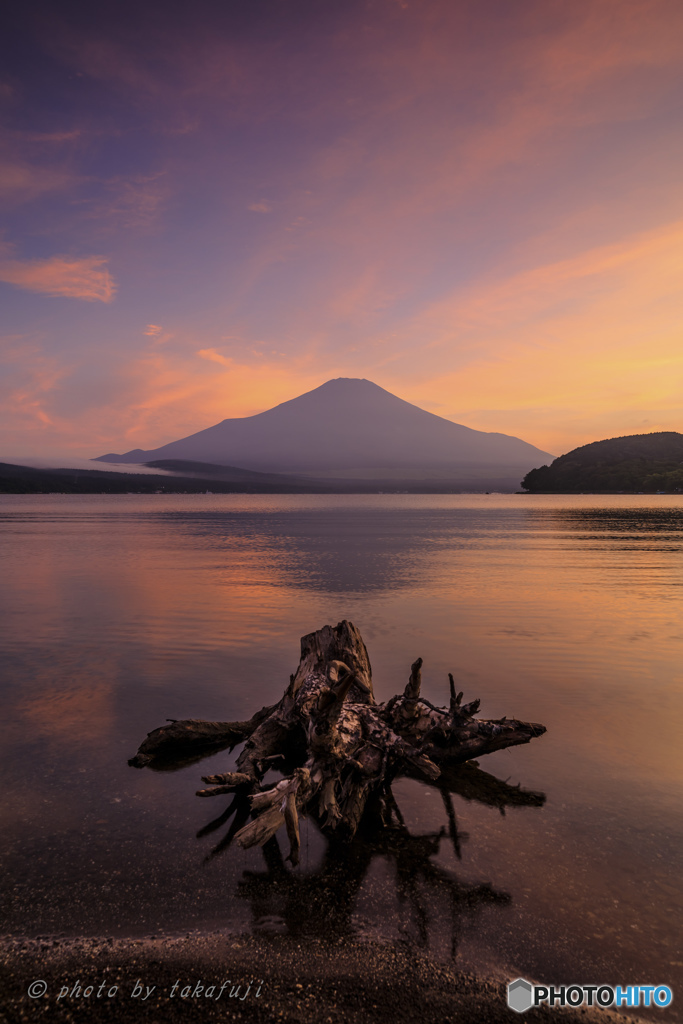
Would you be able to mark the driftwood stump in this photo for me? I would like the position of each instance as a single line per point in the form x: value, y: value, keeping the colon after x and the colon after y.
x: 338, y: 749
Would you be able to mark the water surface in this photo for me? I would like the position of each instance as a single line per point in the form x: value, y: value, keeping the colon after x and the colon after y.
x: 119, y: 612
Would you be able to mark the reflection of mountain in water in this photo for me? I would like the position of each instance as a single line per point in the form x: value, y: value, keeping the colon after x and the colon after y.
x: 349, y: 549
x: 342, y: 549
x: 323, y: 904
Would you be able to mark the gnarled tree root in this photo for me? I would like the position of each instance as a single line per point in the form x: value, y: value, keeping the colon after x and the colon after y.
x: 337, y: 746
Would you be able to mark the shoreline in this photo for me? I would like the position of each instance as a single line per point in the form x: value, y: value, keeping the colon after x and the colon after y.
x: 278, y: 978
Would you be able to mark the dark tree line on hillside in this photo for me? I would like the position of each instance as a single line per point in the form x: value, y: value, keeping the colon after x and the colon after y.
x: 27, y: 480
x: 645, y: 463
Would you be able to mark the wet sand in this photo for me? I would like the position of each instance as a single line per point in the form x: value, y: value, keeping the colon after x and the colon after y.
x: 217, y: 977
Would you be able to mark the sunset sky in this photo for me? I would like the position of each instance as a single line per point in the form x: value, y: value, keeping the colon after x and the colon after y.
x: 210, y: 208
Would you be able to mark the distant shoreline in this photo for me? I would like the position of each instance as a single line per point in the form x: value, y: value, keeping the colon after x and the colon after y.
x: 16, y: 479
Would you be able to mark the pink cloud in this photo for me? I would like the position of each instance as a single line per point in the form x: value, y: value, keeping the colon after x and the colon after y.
x: 214, y: 357
x: 86, y: 278
x: 29, y: 377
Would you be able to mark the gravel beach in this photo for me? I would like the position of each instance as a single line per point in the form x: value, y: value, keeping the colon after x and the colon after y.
x: 217, y: 977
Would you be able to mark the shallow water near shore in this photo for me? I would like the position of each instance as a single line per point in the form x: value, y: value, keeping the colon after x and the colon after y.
x: 120, y: 612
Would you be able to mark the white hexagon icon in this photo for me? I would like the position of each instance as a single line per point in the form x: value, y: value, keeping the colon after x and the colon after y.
x: 520, y: 995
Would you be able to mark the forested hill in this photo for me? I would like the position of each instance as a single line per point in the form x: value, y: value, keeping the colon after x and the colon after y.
x: 639, y: 462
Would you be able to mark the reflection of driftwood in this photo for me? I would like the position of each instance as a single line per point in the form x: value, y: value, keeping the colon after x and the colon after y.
x: 337, y: 746
x: 471, y: 783
x: 321, y: 903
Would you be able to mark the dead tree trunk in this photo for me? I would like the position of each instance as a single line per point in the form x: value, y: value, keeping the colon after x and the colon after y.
x: 335, y: 744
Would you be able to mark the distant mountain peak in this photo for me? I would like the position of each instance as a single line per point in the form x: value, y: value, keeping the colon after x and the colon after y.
x: 348, y: 380
x: 346, y: 386
x: 352, y: 427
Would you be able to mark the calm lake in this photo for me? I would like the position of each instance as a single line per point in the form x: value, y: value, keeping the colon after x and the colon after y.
x: 120, y: 612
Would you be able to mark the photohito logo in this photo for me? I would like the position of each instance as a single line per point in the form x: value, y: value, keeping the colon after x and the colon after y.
x: 522, y: 995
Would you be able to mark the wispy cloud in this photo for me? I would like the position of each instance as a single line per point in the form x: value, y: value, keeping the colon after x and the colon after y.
x: 586, y: 347
x: 130, y: 204
x: 29, y: 377
x: 85, y: 278
x: 214, y: 357
x: 23, y: 182
x: 50, y: 138
x: 170, y: 393
x: 159, y: 396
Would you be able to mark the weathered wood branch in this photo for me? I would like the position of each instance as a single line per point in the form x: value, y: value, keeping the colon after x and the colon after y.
x: 192, y: 738
x: 335, y: 744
